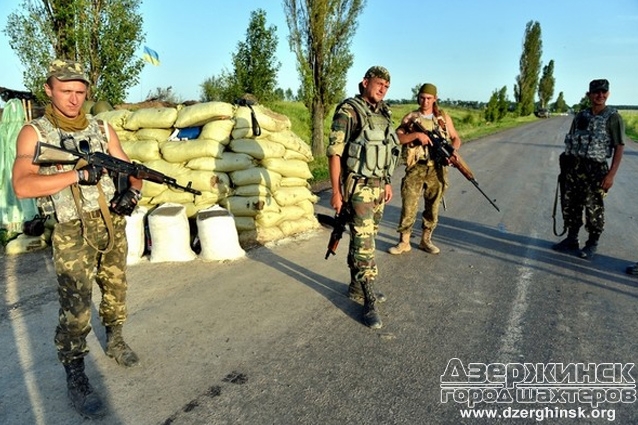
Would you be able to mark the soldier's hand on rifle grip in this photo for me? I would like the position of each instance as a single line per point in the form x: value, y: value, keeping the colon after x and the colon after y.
x: 125, y: 203
x: 89, y: 175
x: 336, y: 201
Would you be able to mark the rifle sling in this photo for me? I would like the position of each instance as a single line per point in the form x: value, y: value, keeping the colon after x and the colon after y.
x: 554, y: 211
x: 104, y: 209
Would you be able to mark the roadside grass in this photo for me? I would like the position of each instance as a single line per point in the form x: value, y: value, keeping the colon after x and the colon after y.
x: 631, y: 123
x: 469, y: 123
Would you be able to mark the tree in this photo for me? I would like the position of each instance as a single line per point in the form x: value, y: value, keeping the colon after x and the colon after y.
x: 530, y: 66
x: 492, y: 108
x: 503, y: 104
x: 546, y: 84
x: 560, y: 105
x: 320, y: 36
x: 255, y: 65
x: 102, y: 35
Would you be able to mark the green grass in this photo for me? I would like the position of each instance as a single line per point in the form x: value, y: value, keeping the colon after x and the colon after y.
x: 631, y: 124
x: 469, y: 123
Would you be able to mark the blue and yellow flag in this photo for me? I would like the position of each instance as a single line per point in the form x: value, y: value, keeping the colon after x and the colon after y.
x: 151, y: 56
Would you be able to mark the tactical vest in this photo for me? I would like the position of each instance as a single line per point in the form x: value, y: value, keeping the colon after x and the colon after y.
x: 62, y: 203
x: 419, y: 153
x: 373, y: 153
x: 589, y: 138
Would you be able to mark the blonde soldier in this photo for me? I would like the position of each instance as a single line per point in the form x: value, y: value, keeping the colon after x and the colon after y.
x: 89, y: 239
x: 422, y: 174
x: 362, y: 153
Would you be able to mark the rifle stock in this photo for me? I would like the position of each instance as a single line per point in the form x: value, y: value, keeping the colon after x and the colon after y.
x: 46, y: 153
x: 443, y: 149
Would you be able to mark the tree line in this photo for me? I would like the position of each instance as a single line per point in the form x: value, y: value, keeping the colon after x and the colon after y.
x: 105, y: 36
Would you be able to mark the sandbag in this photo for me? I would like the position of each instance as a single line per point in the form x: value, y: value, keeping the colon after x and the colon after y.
x: 219, y: 130
x: 288, y: 168
x: 185, y: 150
x: 159, y: 134
x: 135, y: 235
x: 258, y: 149
x: 217, y: 235
x: 256, y: 175
x: 151, y: 118
x: 230, y: 161
x: 249, y: 206
x: 170, y: 234
x: 201, y: 113
x: 141, y: 150
x: 286, y: 196
x: 116, y: 118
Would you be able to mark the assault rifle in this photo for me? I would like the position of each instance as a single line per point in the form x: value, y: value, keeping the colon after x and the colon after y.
x: 338, y: 224
x: 50, y: 154
x: 444, y: 150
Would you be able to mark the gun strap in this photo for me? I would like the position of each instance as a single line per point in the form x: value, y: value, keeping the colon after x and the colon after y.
x: 104, y: 209
x: 554, y: 211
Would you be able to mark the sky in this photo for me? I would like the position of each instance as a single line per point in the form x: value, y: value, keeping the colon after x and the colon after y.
x: 467, y: 48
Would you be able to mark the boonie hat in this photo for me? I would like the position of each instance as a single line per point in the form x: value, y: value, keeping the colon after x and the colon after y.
x: 67, y: 70
x: 379, y: 72
x: 598, y: 85
x: 428, y: 88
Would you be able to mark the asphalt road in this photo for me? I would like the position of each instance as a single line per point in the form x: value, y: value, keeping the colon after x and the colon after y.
x: 272, y: 338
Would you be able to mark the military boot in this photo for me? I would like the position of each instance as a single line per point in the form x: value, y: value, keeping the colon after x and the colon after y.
x: 84, y: 399
x: 426, y: 242
x: 118, y: 349
x: 402, y: 246
x: 570, y: 243
x: 591, y: 246
x: 371, y: 316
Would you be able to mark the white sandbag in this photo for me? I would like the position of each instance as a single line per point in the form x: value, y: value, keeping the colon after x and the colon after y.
x: 185, y: 150
x: 200, y: 113
x: 151, y: 118
x: 135, y: 235
x: 230, y: 161
x: 170, y: 234
x: 218, y: 235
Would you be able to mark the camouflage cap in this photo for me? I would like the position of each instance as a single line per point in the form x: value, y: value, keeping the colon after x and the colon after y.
x: 428, y: 88
x: 67, y: 70
x: 598, y: 85
x: 377, y: 71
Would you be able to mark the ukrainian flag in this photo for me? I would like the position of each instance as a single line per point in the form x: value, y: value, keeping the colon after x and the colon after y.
x: 151, y: 56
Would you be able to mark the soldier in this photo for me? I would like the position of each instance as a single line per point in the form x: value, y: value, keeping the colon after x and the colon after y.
x: 423, y: 176
x: 596, y: 134
x: 362, y: 153
x: 89, y: 243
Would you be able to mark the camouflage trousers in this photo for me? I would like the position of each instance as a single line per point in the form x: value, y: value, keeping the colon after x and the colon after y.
x: 582, y: 191
x: 427, y: 180
x: 367, y: 203
x: 77, y: 265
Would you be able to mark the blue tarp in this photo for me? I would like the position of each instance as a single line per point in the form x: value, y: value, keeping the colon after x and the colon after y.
x: 13, y: 211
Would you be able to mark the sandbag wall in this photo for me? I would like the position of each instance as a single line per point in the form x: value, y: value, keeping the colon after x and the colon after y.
x: 262, y: 180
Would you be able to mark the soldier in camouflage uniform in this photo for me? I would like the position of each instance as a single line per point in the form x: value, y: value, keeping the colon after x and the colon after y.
x: 423, y: 175
x: 362, y: 153
x: 596, y: 134
x: 89, y: 238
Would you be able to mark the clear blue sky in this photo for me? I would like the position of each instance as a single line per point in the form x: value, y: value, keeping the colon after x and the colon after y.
x: 467, y: 48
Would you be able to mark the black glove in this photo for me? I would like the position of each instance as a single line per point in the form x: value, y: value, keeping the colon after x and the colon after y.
x: 89, y: 175
x: 124, y: 203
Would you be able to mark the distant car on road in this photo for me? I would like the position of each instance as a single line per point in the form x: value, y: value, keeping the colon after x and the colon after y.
x: 542, y: 113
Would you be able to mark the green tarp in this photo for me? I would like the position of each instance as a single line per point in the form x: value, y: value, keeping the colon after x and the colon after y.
x: 13, y: 211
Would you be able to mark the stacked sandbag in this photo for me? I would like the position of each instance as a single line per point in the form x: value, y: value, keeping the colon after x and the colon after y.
x: 261, y: 180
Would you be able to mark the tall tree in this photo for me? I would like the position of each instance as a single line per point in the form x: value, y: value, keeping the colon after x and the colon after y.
x: 320, y: 35
x: 103, y: 35
x: 546, y: 84
x: 530, y: 66
x: 560, y: 105
x: 255, y: 65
